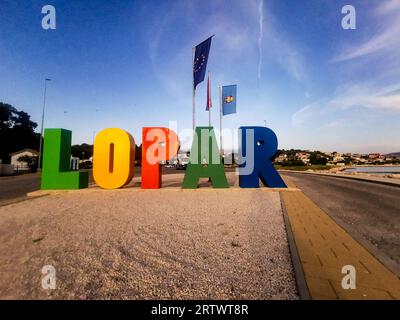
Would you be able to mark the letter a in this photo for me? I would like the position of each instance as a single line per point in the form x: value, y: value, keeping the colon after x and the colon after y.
x: 205, y: 161
x: 49, y: 20
x: 349, y: 280
x: 349, y: 20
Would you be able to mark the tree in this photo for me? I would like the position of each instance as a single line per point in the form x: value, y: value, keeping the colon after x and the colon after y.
x: 17, y: 131
x: 138, y: 152
x: 82, y: 151
x: 317, y: 158
x: 85, y: 150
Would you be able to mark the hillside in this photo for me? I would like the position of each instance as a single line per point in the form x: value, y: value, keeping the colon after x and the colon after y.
x: 394, y: 154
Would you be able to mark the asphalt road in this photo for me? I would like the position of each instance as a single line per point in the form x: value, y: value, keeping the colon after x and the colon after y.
x: 16, y: 187
x: 368, y: 211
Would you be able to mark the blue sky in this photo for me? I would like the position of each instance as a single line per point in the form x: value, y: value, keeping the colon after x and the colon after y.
x: 127, y: 64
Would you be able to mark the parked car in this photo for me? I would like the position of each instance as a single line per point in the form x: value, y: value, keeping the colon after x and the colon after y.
x: 182, y: 163
x: 86, y: 165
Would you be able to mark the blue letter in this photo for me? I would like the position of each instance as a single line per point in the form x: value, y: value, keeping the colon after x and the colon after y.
x: 258, y: 145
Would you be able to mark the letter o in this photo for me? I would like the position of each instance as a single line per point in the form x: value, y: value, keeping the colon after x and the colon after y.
x: 113, y: 158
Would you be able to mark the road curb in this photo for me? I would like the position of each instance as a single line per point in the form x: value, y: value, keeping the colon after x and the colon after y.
x: 21, y: 199
x: 388, y: 183
x: 301, y: 282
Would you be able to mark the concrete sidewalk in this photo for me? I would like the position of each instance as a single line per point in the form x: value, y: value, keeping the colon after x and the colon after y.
x: 325, y: 248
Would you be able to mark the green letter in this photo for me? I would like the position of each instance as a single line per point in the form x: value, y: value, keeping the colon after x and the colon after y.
x: 56, y: 173
x: 205, y: 161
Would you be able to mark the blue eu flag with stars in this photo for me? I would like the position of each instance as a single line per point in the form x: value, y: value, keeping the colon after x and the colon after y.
x: 200, y: 61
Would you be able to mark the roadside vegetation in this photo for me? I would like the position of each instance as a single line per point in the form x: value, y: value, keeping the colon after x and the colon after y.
x: 17, y: 131
x: 303, y: 167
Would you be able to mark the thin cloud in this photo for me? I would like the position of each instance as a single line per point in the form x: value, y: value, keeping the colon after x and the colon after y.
x: 260, y: 36
x: 353, y: 96
x: 386, y: 39
x: 280, y: 50
x: 283, y: 51
x: 334, y: 124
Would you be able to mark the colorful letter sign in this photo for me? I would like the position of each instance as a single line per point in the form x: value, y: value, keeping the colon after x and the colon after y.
x: 258, y: 145
x: 56, y: 172
x: 205, y: 161
x: 113, y: 158
x: 159, y: 144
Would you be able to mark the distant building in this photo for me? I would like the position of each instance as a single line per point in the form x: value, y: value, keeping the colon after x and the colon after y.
x: 338, y: 158
x: 281, y: 158
x: 229, y: 158
x: 22, y: 165
x: 358, y: 159
x: 374, y: 156
x: 180, y: 157
x: 303, y: 156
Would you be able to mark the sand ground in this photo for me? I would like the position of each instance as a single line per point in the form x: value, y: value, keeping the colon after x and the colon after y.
x: 141, y: 244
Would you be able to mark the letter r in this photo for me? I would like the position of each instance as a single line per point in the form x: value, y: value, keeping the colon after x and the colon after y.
x: 257, y: 146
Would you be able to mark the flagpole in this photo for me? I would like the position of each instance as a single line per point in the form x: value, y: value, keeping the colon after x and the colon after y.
x: 220, y: 118
x: 42, y: 129
x: 209, y: 107
x: 194, y: 93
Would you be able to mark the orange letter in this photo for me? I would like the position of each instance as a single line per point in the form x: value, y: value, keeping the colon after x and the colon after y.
x: 159, y: 144
x: 113, y: 158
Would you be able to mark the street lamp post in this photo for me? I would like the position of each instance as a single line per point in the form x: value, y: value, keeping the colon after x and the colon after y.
x: 42, y: 128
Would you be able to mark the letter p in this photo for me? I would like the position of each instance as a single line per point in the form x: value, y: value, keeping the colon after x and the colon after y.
x: 159, y: 144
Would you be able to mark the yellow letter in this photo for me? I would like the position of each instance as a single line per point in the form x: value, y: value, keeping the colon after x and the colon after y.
x: 113, y: 158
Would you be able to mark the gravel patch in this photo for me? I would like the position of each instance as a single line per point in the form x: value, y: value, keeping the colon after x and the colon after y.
x: 190, y: 244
